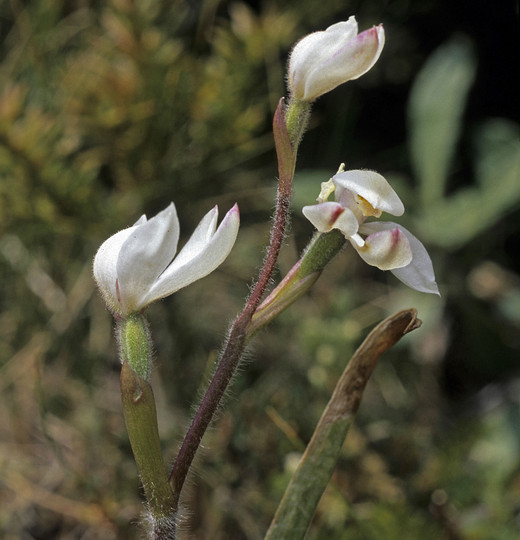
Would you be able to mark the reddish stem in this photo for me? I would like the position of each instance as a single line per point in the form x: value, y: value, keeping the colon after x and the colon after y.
x: 286, y: 153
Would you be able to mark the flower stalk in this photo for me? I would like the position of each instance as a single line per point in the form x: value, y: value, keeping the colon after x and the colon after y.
x: 302, y: 276
x: 135, y: 340
x: 141, y: 424
x: 286, y: 149
x: 289, y: 125
x: 297, y: 115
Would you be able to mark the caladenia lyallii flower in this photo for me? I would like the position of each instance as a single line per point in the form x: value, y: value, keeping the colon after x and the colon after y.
x: 137, y: 266
x: 132, y: 269
x: 360, y: 195
x: 323, y: 60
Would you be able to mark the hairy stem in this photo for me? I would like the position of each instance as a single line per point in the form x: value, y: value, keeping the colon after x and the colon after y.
x: 286, y: 148
x: 319, y: 252
x: 141, y: 424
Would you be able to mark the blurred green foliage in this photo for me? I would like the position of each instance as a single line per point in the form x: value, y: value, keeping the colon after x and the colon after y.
x: 436, y: 108
x: 111, y: 109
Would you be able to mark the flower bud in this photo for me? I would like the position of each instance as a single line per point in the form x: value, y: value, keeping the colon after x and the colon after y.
x: 323, y: 60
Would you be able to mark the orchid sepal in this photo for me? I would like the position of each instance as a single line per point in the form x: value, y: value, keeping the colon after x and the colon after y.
x: 323, y: 60
x: 369, y: 187
x: 385, y: 249
x: 331, y: 215
x: 419, y: 273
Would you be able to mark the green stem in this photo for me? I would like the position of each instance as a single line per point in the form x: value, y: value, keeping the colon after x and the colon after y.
x: 141, y: 423
x: 140, y: 416
x: 320, y: 251
x: 135, y: 340
x: 297, y: 115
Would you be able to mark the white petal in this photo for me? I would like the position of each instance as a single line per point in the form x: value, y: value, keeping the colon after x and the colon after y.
x: 105, y: 267
x: 197, y: 241
x: 313, y: 50
x: 207, y: 252
x: 144, y: 256
x: 372, y: 187
x: 353, y: 59
x: 323, y: 60
x: 141, y: 221
x: 419, y: 274
x: 330, y: 215
x: 386, y: 248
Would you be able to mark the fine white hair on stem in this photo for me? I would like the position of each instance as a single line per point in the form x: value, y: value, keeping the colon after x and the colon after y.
x: 163, y: 528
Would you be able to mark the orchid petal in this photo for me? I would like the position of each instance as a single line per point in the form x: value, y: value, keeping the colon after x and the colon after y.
x: 141, y: 221
x: 323, y: 60
x: 105, y: 267
x: 314, y: 49
x: 385, y: 248
x: 418, y: 274
x: 205, y: 252
x: 330, y: 215
x: 372, y: 187
x: 145, y: 255
x: 198, y: 240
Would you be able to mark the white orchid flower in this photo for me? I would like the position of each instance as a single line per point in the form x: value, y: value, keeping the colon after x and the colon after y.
x: 137, y: 265
x: 386, y: 245
x: 323, y: 60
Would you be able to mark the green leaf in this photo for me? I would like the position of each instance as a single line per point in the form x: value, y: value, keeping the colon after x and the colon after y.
x: 498, y: 155
x: 434, y: 113
x: 294, y: 514
x: 455, y: 221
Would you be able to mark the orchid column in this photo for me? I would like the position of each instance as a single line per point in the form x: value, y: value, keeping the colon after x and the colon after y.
x: 134, y: 268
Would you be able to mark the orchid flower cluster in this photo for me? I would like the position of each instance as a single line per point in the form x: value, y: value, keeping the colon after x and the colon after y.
x: 139, y: 265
